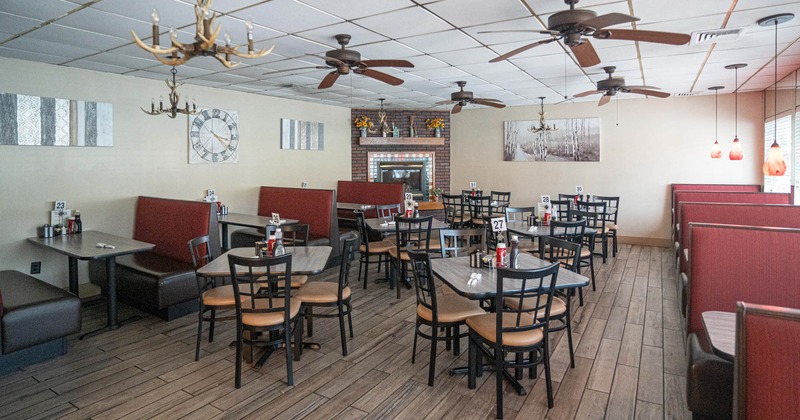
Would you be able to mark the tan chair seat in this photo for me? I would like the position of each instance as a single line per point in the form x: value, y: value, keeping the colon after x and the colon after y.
x: 478, y: 221
x: 322, y: 292
x: 271, y: 318
x: 452, y: 308
x: 600, y: 231
x: 378, y: 247
x: 461, y: 218
x: 484, y: 325
x: 613, y: 227
x: 586, y: 252
x: 558, y: 307
x: 403, y: 254
x: 298, y: 280
x: 219, y: 296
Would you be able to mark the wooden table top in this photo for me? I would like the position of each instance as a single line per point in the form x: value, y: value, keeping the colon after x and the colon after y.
x: 377, y: 225
x: 720, y: 329
x: 250, y: 220
x: 83, y: 246
x: 305, y: 260
x: 354, y: 206
x: 456, y: 273
x: 522, y: 228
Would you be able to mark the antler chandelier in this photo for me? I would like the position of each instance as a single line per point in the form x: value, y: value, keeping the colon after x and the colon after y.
x: 542, y: 125
x: 174, y: 100
x: 205, y: 41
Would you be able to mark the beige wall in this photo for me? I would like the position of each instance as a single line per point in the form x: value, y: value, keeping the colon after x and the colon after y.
x: 657, y: 142
x: 149, y: 157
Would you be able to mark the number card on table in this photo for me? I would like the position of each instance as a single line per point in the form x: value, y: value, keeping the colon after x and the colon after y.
x: 545, y: 199
x: 579, y: 189
x: 276, y: 218
x: 498, y: 224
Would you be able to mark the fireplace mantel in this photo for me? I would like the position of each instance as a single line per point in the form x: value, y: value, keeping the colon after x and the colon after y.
x: 401, y: 141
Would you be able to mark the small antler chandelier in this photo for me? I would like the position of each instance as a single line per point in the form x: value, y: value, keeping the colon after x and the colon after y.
x: 174, y: 100
x: 205, y: 41
x: 542, y: 126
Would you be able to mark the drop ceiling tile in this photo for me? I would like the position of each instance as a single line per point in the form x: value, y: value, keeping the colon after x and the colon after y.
x: 24, y: 54
x: 440, y: 41
x: 123, y: 60
x: 404, y: 23
x: 108, y: 24
x: 206, y: 82
x: 15, y: 24
x: 37, y: 9
x: 236, y: 28
x: 274, y: 15
x: 517, y: 30
x: 447, y: 73
x: 63, y: 35
x: 354, y: 9
x: 477, y: 12
x: 387, y: 49
x: 227, y: 78
x: 46, y: 47
x: 325, y: 35
x: 101, y: 67
x: 651, y: 12
x: 467, y: 56
x: 293, y: 46
x: 550, y: 6
x: 172, y: 13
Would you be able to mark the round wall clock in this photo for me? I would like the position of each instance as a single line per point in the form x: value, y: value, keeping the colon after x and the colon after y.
x: 213, y: 136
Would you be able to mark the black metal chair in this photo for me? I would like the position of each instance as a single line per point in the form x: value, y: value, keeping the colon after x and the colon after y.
x: 266, y: 316
x: 598, y: 224
x: 588, y: 241
x: 447, y: 312
x: 479, y: 207
x: 387, y: 211
x: 456, y: 211
x: 522, y: 331
x: 211, y: 297
x: 561, y: 208
x: 500, y: 200
x: 331, y: 294
x: 612, y: 210
x: 369, y: 249
x: 412, y: 233
x: 460, y: 242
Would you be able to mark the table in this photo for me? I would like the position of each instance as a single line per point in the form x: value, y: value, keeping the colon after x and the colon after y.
x: 522, y: 228
x: 354, y: 206
x: 456, y: 272
x: 246, y: 220
x: 378, y: 226
x: 83, y: 246
x: 305, y: 260
x: 720, y: 329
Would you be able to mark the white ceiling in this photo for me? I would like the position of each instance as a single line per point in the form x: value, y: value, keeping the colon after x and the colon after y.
x: 440, y: 37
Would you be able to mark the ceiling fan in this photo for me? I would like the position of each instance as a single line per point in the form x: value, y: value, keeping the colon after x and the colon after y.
x: 609, y: 87
x: 463, y: 97
x: 343, y: 61
x: 574, y: 24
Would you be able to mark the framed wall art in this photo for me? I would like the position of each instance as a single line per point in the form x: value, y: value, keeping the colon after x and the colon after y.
x: 302, y: 135
x: 572, y: 140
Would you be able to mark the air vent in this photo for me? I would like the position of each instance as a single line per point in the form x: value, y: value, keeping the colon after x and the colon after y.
x: 685, y: 94
x: 716, y: 35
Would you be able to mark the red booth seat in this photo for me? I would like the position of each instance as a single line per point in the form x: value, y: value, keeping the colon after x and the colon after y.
x: 374, y: 193
x: 730, y: 263
x: 162, y: 281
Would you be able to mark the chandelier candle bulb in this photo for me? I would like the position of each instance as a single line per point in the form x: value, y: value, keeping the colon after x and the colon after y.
x: 249, y: 26
x: 155, y: 18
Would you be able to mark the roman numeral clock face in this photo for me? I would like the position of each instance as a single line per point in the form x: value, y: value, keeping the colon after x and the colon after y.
x: 213, y: 136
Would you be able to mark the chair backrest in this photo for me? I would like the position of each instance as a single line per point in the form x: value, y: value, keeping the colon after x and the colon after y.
x: 201, y: 255
x: 479, y: 206
x: 561, y: 208
x: 387, y: 211
x: 596, y: 207
x: 566, y: 253
x: 490, y: 236
x: 413, y: 233
x: 571, y: 197
x: 590, y: 220
x: 519, y: 214
x: 424, y: 285
x: 251, y: 293
x: 536, y: 287
x: 501, y: 196
x: 611, y: 202
x: 295, y: 235
x: 454, y: 206
x: 568, y: 230
x: 460, y: 242
x: 348, y: 242
x: 363, y: 231
x: 766, y: 375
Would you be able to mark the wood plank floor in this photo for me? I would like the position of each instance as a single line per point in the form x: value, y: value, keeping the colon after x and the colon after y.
x: 629, y: 363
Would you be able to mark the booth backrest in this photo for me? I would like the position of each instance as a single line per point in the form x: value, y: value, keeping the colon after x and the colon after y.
x: 313, y: 206
x: 170, y: 224
x: 778, y: 215
x: 727, y: 197
x: 374, y: 193
x: 705, y: 187
x: 731, y: 263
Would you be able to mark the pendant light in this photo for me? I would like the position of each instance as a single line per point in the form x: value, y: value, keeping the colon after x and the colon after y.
x: 775, y: 165
x: 716, y: 150
x: 736, y: 152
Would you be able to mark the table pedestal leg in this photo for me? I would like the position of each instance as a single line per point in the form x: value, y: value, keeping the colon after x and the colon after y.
x: 73, y: 276
x: 464, y: 370
x: 111, y: 304
x: 224, y: 237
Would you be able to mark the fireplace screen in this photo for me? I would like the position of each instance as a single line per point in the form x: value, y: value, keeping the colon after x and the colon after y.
x: 412, y: 174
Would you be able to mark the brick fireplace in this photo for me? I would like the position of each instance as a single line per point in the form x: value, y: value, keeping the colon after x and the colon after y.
x: 366, y: 158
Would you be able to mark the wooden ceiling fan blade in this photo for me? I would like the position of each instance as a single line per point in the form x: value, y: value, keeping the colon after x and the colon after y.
x: 444, y: 102
x: 383, y: 77
x: 604, y: 100
x: 385, y: 63
x: 609, y: 19
x: 297, y: 68
x: 456, y: 109
x: 529, y: 31
x: 586, y: 54
x: 489, y: 103
x: 587, y: 93
x: 329, y: 80
x: 649, y: 92
x: 524, y: 48
x: 670, y: 38
x: 641, y: 87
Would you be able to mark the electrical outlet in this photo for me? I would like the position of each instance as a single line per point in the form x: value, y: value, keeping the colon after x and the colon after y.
x: 36, y: 267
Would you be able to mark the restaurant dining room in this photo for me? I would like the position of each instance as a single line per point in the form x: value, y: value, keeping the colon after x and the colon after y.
x: 399, y: 209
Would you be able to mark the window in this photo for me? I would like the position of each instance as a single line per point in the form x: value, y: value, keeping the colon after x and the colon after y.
x: 779, y: 183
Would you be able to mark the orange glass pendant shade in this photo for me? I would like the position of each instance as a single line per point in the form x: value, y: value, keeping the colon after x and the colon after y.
x: 716, y: 151
x: 736, y: 150
x: 774, y: 165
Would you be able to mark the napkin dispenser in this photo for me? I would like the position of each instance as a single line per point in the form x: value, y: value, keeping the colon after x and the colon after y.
x: 475, y: 258
x: 44, y: 231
